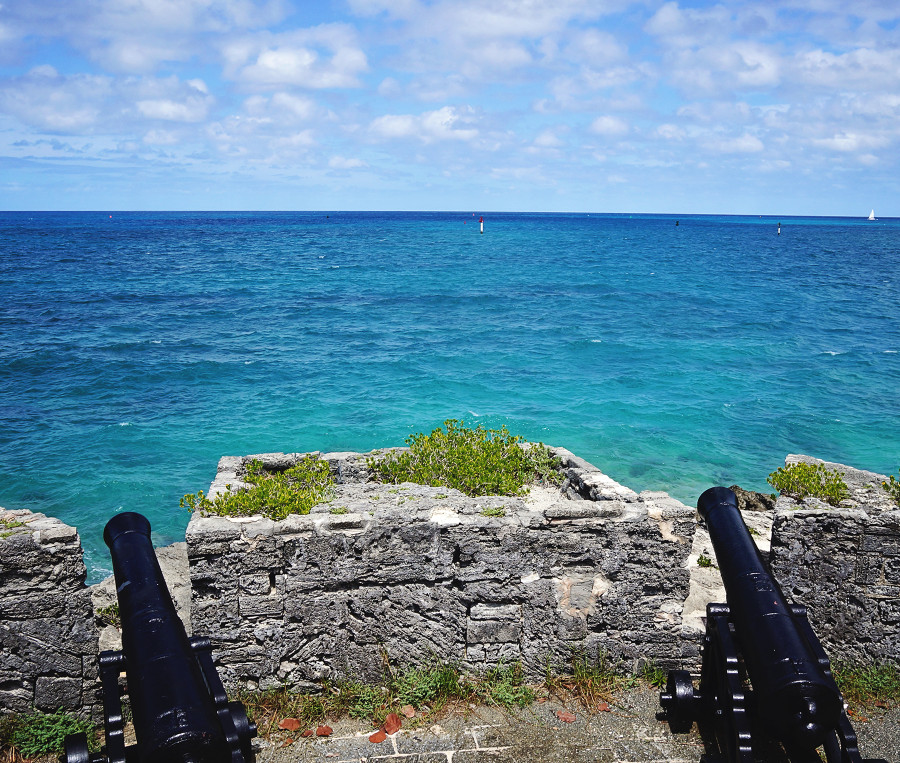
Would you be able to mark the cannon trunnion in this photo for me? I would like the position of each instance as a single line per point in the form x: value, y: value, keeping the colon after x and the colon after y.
x: 178, y: 704
x: 760, y: 638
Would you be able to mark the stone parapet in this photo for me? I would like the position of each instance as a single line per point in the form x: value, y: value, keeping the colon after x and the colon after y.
x: 843, y: 564
x: 48, y: 658
x: 409, y: 575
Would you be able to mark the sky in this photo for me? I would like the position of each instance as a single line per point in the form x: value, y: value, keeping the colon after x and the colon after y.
x: 742, y: 107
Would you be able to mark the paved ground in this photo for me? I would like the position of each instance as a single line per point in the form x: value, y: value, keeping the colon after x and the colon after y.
x: 628, y: 733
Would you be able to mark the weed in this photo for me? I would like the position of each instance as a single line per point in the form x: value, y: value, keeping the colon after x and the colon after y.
x: 893, y: 489
x: 870, y: 685
x: 654, y: 675
x: 493, y: 511
x: 274, y: 495
x: 704, y: 561
x: 804, y: 480
x: 268, y: 708
x: 110, y: 615
x: 43, y: 734
x: 474, y: 461
x: 593, y: 682
x: 427, y: 690
x: 7, y: 526
x: 504, y: 686
x: 433, y: 687
x: 339, y: 510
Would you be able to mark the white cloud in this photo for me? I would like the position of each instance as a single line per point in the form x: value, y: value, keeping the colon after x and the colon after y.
x: 548, y: 139
x: 49, y: 101
x: 861, y: 68
x: 194, y: 111
x: 161, y: 138
x: 851, y: 142
x: 743, y: 144
x: 138, y: 35
x: 593, y: 47
x: 670, y: 132
x: 82, y: 104
x: 428, y: 127
x: 395, y: 126
x: 475, y: 19
x: 609, y: 126
x: 326, y: 56
x: 343, y: 163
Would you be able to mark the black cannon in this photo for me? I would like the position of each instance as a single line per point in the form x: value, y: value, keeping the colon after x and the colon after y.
x: 178, y: 704
x: 761, y: 639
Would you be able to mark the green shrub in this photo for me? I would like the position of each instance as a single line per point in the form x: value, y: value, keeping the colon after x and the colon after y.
x: 474, y: 461
x: 704, y: 561
x: 893, y: 489
x: 43, y: 734
x: 803, y: 480
x: 273, y: 494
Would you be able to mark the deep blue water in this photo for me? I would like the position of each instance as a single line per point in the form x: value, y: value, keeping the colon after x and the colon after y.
x: 139, y: 348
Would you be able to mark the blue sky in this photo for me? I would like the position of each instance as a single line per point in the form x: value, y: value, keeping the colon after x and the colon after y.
x: 743, y: 107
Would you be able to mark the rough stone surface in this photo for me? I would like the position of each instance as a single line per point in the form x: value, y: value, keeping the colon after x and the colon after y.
x: 48, y: 642
x: 411, y: 575
x: 843, y: 564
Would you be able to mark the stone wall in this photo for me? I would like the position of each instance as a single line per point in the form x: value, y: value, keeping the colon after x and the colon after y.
x: 844, y: 565
x: 410, y: 575
x: 48, y: 641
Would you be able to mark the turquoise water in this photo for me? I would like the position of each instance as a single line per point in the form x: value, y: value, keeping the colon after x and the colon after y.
x: 139, y: 348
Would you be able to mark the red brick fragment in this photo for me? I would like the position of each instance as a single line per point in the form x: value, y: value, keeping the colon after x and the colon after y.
x: 289, y: 724
x: 378, y: 737
x: 324, y: 731
x: 307, y: 733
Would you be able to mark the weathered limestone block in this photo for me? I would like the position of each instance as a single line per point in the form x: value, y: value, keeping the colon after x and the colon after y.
x: 48, y: 641
x: 414, y: 575
x: 843, y: 564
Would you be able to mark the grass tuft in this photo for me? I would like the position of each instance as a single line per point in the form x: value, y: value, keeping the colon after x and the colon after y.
x: 869, y: 686
x: 35, y: 734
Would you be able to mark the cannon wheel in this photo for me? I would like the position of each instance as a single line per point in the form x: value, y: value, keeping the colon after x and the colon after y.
x: 75, y: 749
x: 678, y: 701
x: 244, y: 728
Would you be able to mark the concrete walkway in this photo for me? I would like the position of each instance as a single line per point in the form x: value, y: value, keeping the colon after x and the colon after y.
x: 628, y: 733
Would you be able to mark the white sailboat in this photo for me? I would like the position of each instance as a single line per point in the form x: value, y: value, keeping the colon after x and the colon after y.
x: 872, y: 215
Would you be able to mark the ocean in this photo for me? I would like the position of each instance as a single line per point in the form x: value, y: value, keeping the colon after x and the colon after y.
x: 673, y: 352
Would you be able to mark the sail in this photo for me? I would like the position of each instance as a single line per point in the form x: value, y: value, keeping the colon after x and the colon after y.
x: 872, y: 215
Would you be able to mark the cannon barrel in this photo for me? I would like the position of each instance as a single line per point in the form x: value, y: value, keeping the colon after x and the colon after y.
x: 174, y: 716
x: 180, y: 711
x: 796, y: 699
